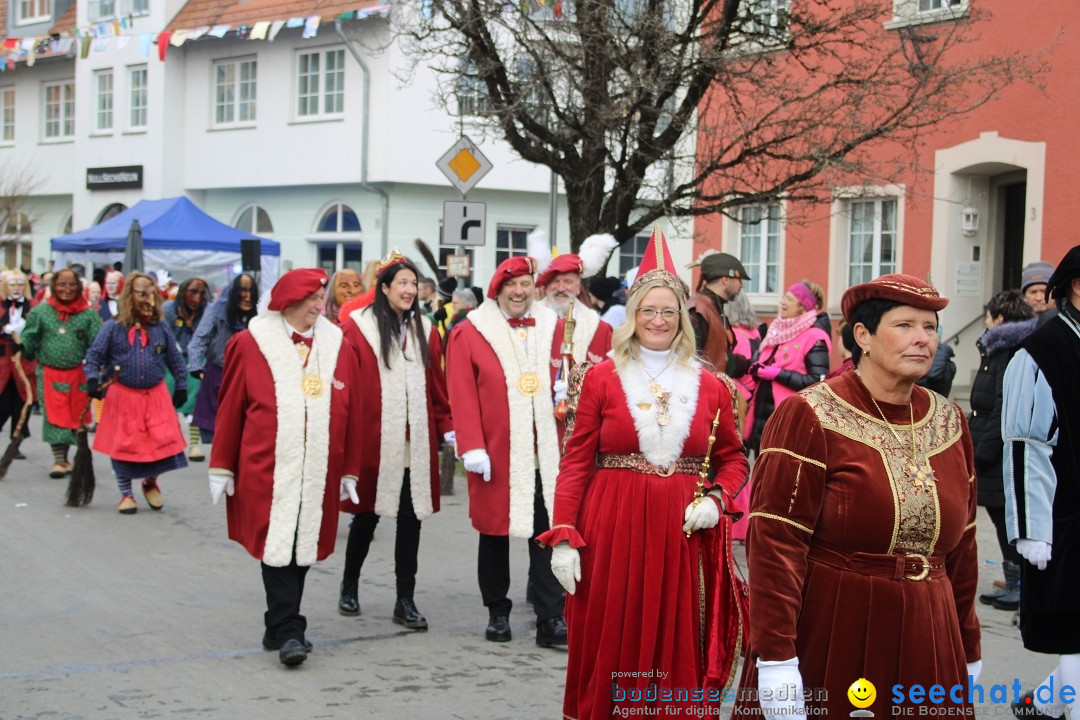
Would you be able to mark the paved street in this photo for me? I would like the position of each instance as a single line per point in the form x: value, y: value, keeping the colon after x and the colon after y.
x: 158, y: 615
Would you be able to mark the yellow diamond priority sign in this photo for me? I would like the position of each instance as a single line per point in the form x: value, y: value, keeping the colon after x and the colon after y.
x: 464, y: 165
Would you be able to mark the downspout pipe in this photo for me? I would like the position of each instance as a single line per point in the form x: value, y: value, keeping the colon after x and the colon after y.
x: 384, y: 198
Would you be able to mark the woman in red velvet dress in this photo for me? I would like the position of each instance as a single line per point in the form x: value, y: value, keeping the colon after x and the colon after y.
x: 861, y: 547
x: 652, y: 614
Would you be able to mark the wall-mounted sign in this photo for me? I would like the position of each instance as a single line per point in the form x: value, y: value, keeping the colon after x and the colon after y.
x: 128, y: 177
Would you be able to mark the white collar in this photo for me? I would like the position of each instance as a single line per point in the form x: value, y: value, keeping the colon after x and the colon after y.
x: 290, y: 329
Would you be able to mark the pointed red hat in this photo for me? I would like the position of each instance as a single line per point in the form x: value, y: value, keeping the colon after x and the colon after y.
x: 656, y: 262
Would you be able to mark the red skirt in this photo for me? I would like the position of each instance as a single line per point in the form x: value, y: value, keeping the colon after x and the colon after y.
x: 138, y: 425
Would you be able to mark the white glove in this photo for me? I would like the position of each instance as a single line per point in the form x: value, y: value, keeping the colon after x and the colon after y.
x: 221, y: 484
x: 704, y: 515
x: 348, y: 489
x: 16, y: 326
x: 477, y: 461
x: 1035, y: 552
x: 450, y: 438
x: 974, y: 670
x: 560, y: 387
x: 7, y: 329
x: 566, y: 566
x: 780, y: 690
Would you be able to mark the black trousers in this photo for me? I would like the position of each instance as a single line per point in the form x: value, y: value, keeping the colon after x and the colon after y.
x: 11, y: 405
x: 284, y: 590
x: 1008, y: 550
x: 406, y: 544
x: 493, y: 569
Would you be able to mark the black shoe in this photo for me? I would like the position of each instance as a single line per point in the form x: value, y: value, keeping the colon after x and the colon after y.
x: 551, y: 632
x: 405, y: 613
x: 19, y: 455
x: 1026, y: 708
x: 348, y: 603
x: 274, y: 644
x: 292, y: 653
x: 498, y: 629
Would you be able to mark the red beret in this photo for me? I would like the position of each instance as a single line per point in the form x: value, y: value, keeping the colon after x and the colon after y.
x: 904, y: 289
x: 510, y: 268
x: 568, y: 263
x: 296, y: 285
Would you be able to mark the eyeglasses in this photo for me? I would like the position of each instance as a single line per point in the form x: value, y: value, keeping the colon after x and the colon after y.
x: 649, y: 313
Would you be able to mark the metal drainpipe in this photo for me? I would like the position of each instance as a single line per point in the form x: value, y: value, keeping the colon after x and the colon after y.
x: 364, y: 184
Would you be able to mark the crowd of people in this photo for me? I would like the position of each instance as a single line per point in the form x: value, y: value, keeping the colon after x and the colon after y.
x: 612, y: 425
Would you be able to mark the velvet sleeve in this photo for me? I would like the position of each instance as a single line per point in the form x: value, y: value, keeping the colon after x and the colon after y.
x: 436, y: 379
x: 354, y: 432
x: 232, y: 407
x: 464, y: 397
x: 578, y: 463
x: 788, y: 486
x: 727, y: 460
x: 962, y: 562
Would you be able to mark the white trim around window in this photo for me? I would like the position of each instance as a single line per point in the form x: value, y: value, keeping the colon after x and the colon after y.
x: 29, y: 12
x: 866, y: 237
x: 320, y: 84
x: 917, y: 12
x: 58, y: 111
x: 7, y: 115
x: 756, y: 236
x: 138, y: 83
x: 103, y: 101
x: 235, y: 88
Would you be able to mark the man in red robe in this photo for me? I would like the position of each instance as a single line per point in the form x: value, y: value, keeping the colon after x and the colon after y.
x: 561, y: 282
x: 290, y: 392
x: 500, y: 379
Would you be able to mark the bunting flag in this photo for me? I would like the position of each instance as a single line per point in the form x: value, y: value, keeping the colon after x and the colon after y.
x: 163, y: 44
x: 258, y: 32
x: 275, y: 28
x: 311, y: 27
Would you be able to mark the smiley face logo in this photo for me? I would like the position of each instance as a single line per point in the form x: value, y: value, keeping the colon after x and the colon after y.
x: 862, y: 693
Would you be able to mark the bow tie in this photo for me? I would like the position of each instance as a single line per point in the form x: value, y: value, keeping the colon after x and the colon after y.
x: 298, y: 338
x: 520, y: 322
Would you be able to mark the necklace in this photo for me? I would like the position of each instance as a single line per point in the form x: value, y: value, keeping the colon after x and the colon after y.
x: 920, y: 473
x: 663, y: 397
x: 528, y: 382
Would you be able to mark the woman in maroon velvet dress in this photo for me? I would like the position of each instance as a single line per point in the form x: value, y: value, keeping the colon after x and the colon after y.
x: 652, y: 614
x: 861, y: 546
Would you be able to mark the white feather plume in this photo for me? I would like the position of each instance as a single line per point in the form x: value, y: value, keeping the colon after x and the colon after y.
x: 702, y: 256
x: 595, y: 251
x: 539, y: 250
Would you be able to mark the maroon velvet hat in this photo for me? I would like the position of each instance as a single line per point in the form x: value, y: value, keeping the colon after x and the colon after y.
x: 510, y: 268
x: 905, y: 289
x: 295, y: 285
x: 568, y: 263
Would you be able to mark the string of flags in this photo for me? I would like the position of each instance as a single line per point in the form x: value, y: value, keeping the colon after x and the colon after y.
x: 105, y: 35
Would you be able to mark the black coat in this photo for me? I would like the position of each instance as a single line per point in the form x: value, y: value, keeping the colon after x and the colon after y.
x: 942, y: 371
x: 996, y: 348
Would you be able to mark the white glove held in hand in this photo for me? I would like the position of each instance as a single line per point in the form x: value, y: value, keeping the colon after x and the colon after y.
x: 221, y: 484
x: 780, y: 689
x: 704, y: 515
x: 560, y: 387
x: 348, y: 489
x: 1035, y: 552
x: 477, y: 461
x: 450, y: 438
x: 974, y: 670
x: 566, y: 566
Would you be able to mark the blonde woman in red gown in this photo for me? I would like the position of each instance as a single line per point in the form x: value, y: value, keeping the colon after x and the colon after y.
x: 652, y: 615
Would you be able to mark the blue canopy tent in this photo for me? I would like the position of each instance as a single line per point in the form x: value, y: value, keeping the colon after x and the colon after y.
x: 177, y: 236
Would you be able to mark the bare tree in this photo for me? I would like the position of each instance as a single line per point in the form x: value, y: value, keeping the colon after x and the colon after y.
x: 18, y: 182
x: 652, y: 108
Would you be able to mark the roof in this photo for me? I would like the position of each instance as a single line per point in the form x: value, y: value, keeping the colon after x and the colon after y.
x: 65, y: 22
x: 3, y: 19
x: 169, y: 224
x: 201, y: 13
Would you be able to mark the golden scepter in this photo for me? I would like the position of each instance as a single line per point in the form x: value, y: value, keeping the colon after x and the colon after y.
x: 567, y: 361
x: 703, y: 474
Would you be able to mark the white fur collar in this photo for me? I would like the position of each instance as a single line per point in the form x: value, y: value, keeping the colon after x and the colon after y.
x: 299, y: 467
x: 404, y: 395
x: 525, y: 412
x: 586, y: 321
x: 661, y: 445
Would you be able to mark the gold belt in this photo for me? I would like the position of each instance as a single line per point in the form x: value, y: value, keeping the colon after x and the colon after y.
x: 638, y: 463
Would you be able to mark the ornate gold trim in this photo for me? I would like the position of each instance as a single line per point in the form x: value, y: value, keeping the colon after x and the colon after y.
x: 782, y: 519
x: 795, y: 489
x: 800, y: 458
x: 970, y: 526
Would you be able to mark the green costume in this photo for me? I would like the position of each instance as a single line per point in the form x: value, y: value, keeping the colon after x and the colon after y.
x: 59, y: 345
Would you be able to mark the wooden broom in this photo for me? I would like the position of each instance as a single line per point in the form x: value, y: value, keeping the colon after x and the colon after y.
x: 80, y: 490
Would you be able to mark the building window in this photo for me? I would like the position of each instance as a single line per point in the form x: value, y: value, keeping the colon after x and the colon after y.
x: 255, y: 220
x: 60, y: 110
x: 631, y: 253
x: 103, y: 90
x: 320, y: 89
x: 872, y: 236
x: 137, y: 87
x: 351, y: 256
x: 7, y: 115
x: 765, y: 22
x: 110, y: 212
x: 908, y: 12
x: 511, y: 242
x: 32, y: 11
x: 939, y: 5
x: 338, y: 219
x: 759, y: 247
x: 234, y: 93
x: 15, y: 251
x: 107, y: 9
x: 472, y: 94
